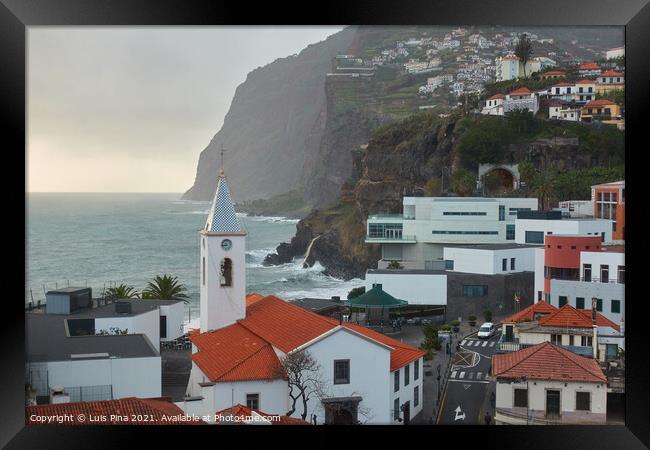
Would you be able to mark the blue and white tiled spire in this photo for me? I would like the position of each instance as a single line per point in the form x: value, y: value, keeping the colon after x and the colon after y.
x: 222, y: 217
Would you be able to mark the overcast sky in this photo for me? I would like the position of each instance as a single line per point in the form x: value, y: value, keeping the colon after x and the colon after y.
x: 128, y: 109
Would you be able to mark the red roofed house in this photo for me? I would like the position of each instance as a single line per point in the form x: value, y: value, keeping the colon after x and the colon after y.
x: 236, y: 357
x: 521, y: 98
x: 243, y: 415
x: 546, y: 385
x: 585, y: 90
x: 563, y: 91
x: 599, y: 110
x: 553, y: 74
x: 589, y: 69
x: 125, y: 411
x: 494, y: 105
x: 609, y: 81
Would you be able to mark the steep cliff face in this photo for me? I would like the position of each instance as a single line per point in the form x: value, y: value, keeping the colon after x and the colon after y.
x: 401, y: 157
x: 272, y: 116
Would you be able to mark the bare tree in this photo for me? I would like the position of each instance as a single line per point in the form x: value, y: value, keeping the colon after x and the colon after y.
x: 303, y: 375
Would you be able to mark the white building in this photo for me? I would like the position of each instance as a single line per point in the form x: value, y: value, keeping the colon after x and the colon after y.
x: 611, y: 77
x: 559, y: 111
x: 577, y: 208
x: 585, y: 91
x: 490, y: 260
x: 615, y: 52
x: 509, y: 67
x: 494, y: 105
x: 417, y: 237
x: 237, y: 353
x: 530, y: 389
x: 521, y: 98
x: 532, y: 230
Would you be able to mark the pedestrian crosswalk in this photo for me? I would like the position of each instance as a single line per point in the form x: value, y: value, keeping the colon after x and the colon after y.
x: 476, y: 343
x: 457, y: 375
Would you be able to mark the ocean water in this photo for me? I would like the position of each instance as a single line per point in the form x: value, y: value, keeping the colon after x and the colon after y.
x: 95, y: 239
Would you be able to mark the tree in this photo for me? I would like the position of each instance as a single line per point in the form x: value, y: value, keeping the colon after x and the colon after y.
x: 488, y: 315
x: 463, y: 183
x: 394, y: 265
x: 165, y: 288
x: 355, y: 292
x: 544, y: 187
x: 527, y: 171
x: 521, y: 121
x: 121, y: 291
x: 433, y: 188
x: 524, y: 50
x: 303, y: 376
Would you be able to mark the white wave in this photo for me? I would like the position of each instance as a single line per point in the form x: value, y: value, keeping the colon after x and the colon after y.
x: 272, y: 219
x: 203, y: 212
x: 260, y: 252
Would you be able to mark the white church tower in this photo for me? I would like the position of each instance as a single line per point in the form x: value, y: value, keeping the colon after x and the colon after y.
x: 223, y: 263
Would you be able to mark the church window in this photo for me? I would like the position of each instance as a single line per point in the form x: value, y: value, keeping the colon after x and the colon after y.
x: 226, y: 272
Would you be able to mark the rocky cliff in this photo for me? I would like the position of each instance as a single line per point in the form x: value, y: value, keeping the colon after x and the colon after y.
x: 401, y: 158
x: 272, y: 116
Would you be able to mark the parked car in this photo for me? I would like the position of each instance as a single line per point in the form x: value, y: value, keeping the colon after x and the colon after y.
x: 426, y: 321
x: 486, y: 330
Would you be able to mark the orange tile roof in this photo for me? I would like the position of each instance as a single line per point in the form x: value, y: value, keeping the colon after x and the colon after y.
x: 599, y: 103
x: 520, y: 91
x: 563, y: 84
x: 243, y: 413
x: 154, y: 408
x: 588, y: 66
x: 568, y: 316
x: 611, y: 73
x: 252, y: 298
x: 496, y: 96
x: 541, y: 307
x: 547, y: 361
x: 585, y: 81
x: 244, y: 350
x: 235, y: 353
x: 401, y: 355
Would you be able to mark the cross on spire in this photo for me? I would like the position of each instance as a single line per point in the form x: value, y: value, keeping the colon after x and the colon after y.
x: 222, y: 152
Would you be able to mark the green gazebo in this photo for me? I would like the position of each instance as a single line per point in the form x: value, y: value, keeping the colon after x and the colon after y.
x: 374, y: 299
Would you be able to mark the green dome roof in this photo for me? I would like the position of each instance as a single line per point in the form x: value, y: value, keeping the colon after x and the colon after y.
x: 376, y: 298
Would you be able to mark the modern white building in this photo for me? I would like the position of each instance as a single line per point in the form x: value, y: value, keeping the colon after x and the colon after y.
x: 237, y: 354
x: 416, y: 237
x: 615, y: 52
x: 532, y: 230
x: 577, y: 208
x: 490, y: 260
x: 547, y: 385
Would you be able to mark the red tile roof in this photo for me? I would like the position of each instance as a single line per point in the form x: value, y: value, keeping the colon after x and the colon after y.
x: 520, y: 91
x: 496, y: 96
x: 235, y: 353
x: 599, y: 103
x: 563, y: 84
x: 611, y: 73
x: 547, y: 361
x: 589, y: 66
x: 244, y: 414
x: 153, y: 408
x: 541, y: 307
x: 252, y: 298
x: 568, y: 316
x: 585, y: 81
x: 244, y: 350
x: 554, y: 72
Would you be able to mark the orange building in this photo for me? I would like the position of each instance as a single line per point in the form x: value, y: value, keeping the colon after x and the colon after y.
x: 609, y: 203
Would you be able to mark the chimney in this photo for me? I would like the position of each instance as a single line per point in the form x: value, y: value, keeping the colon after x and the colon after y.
x: 58, y: 395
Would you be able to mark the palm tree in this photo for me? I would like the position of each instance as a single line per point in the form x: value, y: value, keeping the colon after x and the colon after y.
x: 543, y: 187
x: 165, y: 288
x: 121, y: 291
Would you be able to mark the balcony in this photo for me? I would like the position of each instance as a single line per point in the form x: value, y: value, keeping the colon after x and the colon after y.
x: 407, y: 239
x: 598, y: 280
x: 515, y: 345
x: 391, y: 217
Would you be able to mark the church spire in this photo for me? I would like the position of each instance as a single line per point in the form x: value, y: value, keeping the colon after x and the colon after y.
x: 222, y: 217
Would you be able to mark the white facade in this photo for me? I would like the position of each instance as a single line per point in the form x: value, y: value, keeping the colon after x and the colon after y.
x: 493, y: 106
x: 417, y: 289
x: 537, y: 389
x: 417, y: 236
x: 222, y: 305
x: 117, y: 377
x: 174, y: 314
x: 582, y: 227
x: 577, y: 208
x: 615, y: 53
x: 527, y: 101
x: 491, y: 262
x: 147, y: 323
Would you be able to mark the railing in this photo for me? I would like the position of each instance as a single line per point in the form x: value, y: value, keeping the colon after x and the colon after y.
x: 386, y: 216
x: 390, y: 238
x: 507, y: 347
x: 598, y: 280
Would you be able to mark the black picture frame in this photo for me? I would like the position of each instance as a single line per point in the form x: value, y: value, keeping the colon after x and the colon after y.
x: 16, y: 15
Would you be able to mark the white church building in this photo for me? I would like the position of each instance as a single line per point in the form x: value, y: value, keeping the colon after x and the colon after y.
x: 364, y: 376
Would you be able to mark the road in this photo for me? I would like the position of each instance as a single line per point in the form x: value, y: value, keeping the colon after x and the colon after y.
x: 466, y: 389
